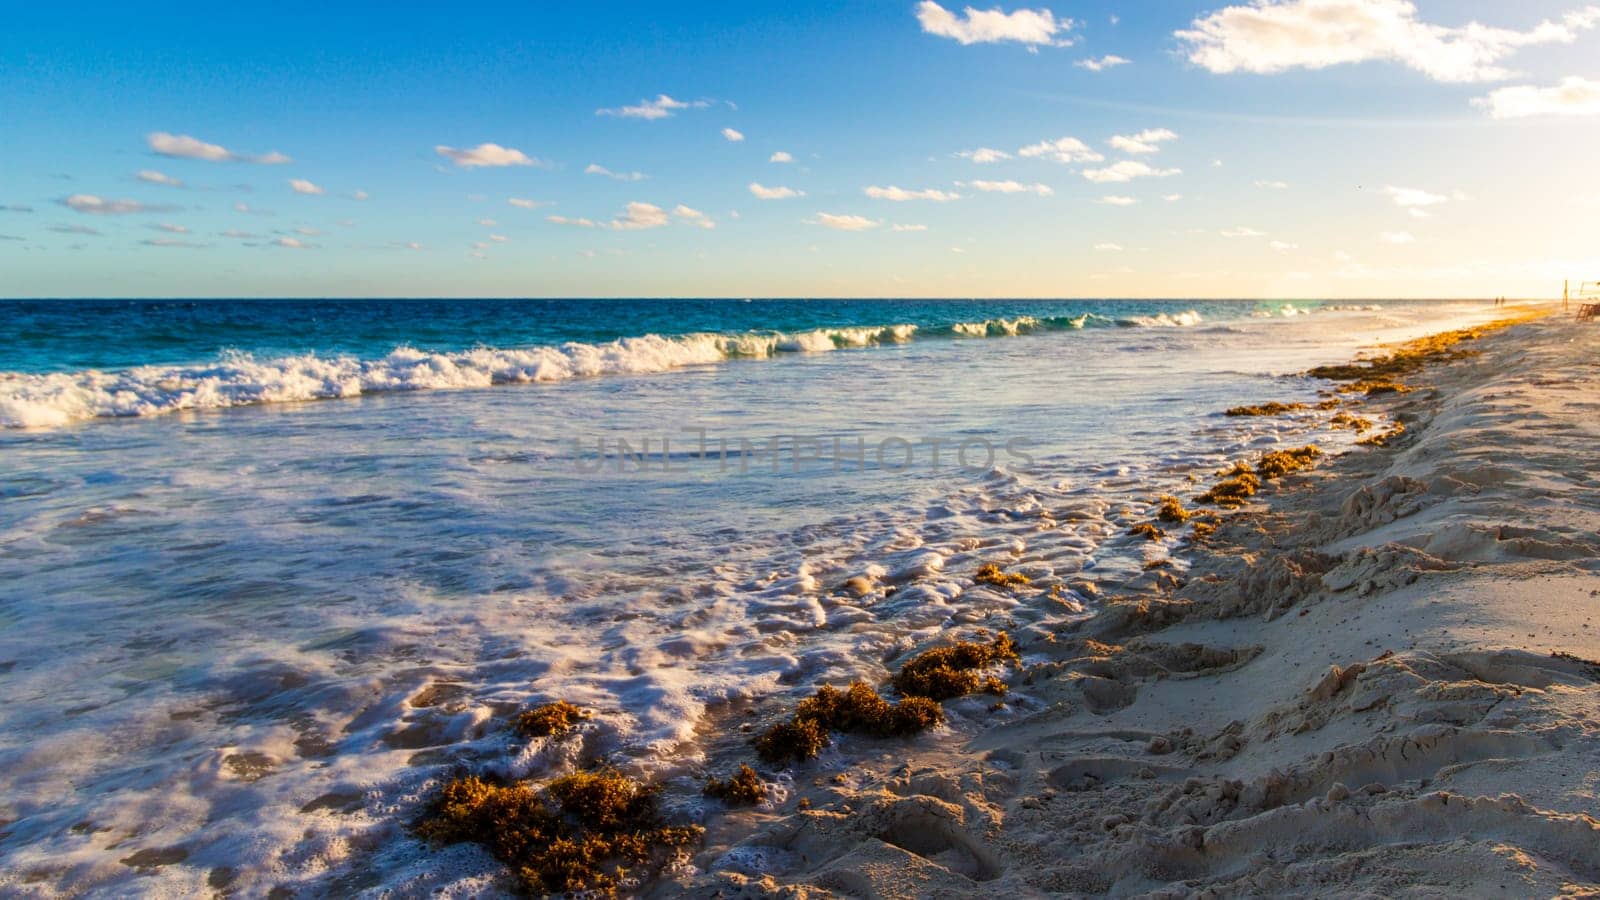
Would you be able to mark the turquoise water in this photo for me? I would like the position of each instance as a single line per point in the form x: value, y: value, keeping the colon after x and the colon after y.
x: 68, y: 335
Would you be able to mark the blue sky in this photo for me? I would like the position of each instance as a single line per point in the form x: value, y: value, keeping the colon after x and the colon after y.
x: 1255, y: 149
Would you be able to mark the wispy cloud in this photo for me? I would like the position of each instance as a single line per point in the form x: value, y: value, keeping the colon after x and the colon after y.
x: 240, y: 235
x: 1033, y: 27
x: 524, y: 203
x: 1242, y: 232
x: 486, y: 155
x: 1269, y: 185
x: 639, y: 216
x: 901, y: 195
x: 289, y: 243
x: 1414, y: 200
x: 1007, y: 187
x: 1108, y: 247
x: 732, y: 135
x: 1062, y: 150
x: 1127, y: 170
x: 15, y: 208
x: 171, y: 242
x: 170, y: 228
x: 1573, y: 96
x: 1147, y: 141
x: 782, y: 156
x: 690, y: 216
x: 302, y: 186
x: 1117, y: 200
x: 73, y: 229
x: 1283, y: 246
x: 89, y: 203
x: 762, y: 192
x: 843, y: 222
x: 576, y: 223
x: 1397, y: 237
x: 183, y: 146
x: 661, y: 107
x: 1276, y: 35
x: 151, y: 176
x: 1109, y: 61
x: 984, y: 155
x: 908, y: 227
x: 597, y: 169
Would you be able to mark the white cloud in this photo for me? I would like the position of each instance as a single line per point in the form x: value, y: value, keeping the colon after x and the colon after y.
x: 498, y: 238
x: 1398, y: 237
x: 1172, y: 198
x: 1283, y: 246
x: 1414, y: 199
x: 1109, y: 247
x: 1269, y: 36
x: 406, y: 245
x: 485, y: 155
x: 488, y: 223
x: 1033, y: 27
x: 900, y: 195
x: 361, y: 195
x: 1242, y: 232
x: 89, y: 203
x: 763, y: 192
x: 1103, y: 63
x: 291, y: 244
x: 1009, y: 187
x: 577, y: 223
x: 692, y: 216
x: 661, y: 107
x: 73, y: 229
x: 640, y: 216
x: 182, y: 146
x: 170, y: 228
x: 302, y: 186
x: 307, y: 230
x: 171, y: 242
x: 1115, y: 200
x: 782, y: 156
x: 524, y: 203
x: 1146, y: 141
x: 733, y: 135
x: 151, y: 176
x: 1127, y: 170
x: 597, y: 169
x: 910, y: 228
x: 984, y: 155
x: 1062, y: 150
x: 1272, y: 185
x: 241, y: 235
x: 1574, y: 96
x: 844, y: 223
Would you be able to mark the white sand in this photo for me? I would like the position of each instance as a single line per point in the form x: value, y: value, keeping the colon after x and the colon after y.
x: 1354, y: 691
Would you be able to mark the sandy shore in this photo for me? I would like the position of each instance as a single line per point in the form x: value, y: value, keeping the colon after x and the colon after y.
x: 1374, y: 680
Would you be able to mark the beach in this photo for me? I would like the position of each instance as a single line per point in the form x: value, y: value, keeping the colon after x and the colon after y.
x: 1378, y: 680
x: 318, y: 618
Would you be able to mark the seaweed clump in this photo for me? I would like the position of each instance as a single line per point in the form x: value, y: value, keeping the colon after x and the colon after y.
x: 549, y: 719
x: 1358, y: 424
x: 1237, y: 485
x: 745, y: 787
x: 992, y: 574
x: 1377, y: 375
x: 1274, y: 408
x: 1382, y: 438
x: 1172, y: 510
x: 1148, y: 530
x: 856, y: 710
x: 583, y: 832
x: 1279, y: 463
x: 952, y: 671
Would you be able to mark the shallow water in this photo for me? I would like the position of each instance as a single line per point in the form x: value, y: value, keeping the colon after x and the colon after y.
x: 245, y: 639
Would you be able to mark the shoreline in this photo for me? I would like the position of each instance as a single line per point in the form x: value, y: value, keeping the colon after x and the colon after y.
x: 1354, y: 687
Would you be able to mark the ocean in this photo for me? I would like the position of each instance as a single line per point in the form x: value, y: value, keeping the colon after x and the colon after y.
x: 270, y: 569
